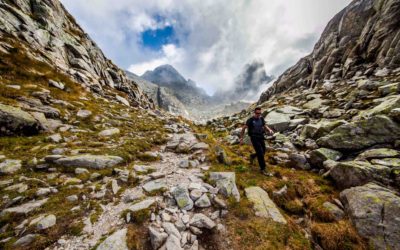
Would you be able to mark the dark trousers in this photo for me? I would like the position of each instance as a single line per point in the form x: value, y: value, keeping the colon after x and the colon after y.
x: 259, y: 147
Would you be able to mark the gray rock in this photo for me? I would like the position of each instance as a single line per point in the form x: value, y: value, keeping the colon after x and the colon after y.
x: 357, y: 173
x: 84, y: 113
x: 72, y: 198
x: 202, y: 221
x: 226, y: 183
x: 299, y: 161
x: 25, y: 208
x: 57, y: 138
x: 203, y: 202
x: 362, y: 134
x: 90, y: 161
x: 156, y: 185
x: 142, y: 205
x: 109, y: 132
x: 170, y: 229
x: 378, y: 153
x: 384, y: 108
x: 46, y: 222
x: 221, y: 155
x: 172, y: 243
x: 182, y: 198
x: 263, y: 205
x: 374, y: 211
x: 117, y: 241
x: 10, y: 166
x: 199, y: 146
x: 337, y: 212
x: 114, y: 187
x: 55, y: 84
x: 14, y: 121
x: 81, y: 171
x: 195, y: 194
x: 388, y: 162
x: 157, y: 238
x: 123, y: 100
x: 318, y: 156
x: 25, y: 240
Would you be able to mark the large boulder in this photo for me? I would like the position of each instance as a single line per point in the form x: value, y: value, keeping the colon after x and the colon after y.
x: 280, y: 119
x: 318, y: 156
x: 90, y: 161
x: 14, y: 121
x: 385, y: 107
x: 378, y: 153
x: 375, y: 212
x: 362, y: 134
x: 357, y: 173
x: 263, y: 205
x: 226, y: 183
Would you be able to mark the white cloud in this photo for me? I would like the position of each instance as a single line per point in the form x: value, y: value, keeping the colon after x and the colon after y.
x: 216, y: 38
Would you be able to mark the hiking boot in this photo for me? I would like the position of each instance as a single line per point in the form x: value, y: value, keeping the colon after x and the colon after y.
x: 264, y: 172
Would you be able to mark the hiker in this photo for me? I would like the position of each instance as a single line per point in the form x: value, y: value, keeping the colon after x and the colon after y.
x: 256, y: 129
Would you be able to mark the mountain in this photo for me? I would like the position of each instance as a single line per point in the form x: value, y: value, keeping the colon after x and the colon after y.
x: 247, y: 85
x: 185, y: 91
x: 50, y: 34
x: 361, y: 39
x: 163, y: 97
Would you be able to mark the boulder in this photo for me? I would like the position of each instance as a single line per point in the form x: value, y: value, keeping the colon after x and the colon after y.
x: 25, y: 240
x: 145, y: 204
x: 388, y: 162
x: 82, y: 113
x: 157, y: 238
x: 203, y: 201
x: 90, y: 161
x: 362, y: 134
x: 375, y: 213
x: 378, y: 153
x: 263, y: 205
x: 226, y: 184
x: 24, y: 208
x: 357, y: 173
x: 221, y: 155
x: 109, y: 132
x: 200, y: 220
x: 336, y: 212
x: 318, y: 156
x: 181, y: 195
x: 172, y: 243
x: 299, y: 161
x: 46, y: 222
x: 10, y: 166
x: 14, y: 121
x: 385, y: 107
x: 117, y: 241
x: 280, y: 118
x: 155, y: 185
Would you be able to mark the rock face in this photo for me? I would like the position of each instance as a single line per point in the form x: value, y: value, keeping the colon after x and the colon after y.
x: 263, y: 205
x: 90, y: 161
x: 117, y: 241
x: 14, y: 121
x: 361, y: 37
x: 53, y: 36
x: 375, y: 212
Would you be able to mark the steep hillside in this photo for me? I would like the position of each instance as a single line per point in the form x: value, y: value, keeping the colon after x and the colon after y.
x: 363, y: 39
x: 51, y: 35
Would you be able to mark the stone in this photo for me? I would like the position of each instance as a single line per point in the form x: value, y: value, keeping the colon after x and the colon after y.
x: 72, y: 198
x: 117, y: 241
x: 221, y: 155
x: 374, y: 211
x: 84, y: 113
x: 46, y: 222
x: 145, y: 204
x: 81, y: 171
x: 203, y: 202
x: 388, y: 89
x: 25, y: 240
x: 336, y: 212
x: 385, y: 107
x: 226, y: 184
x: 200, y: 220
x: 154, y: 186
x: 357, y: 173
x: 172, y: 243
x: 55, y: 84
x: 56, y: 138
x: 142, y: 169
x: 299, y: 161
x: 318, y: 156
x: 157, y: 175
x: 170, y: 229
x: 109, y: 132
x: 199, y: 146
x: 325, y: 127
x: 278, y: 121
x: 90, y: 161
x: 122, y: 100
x: 25, y: 208
x: 388, y: 162
x: 14, y: 121
x: 10, y: 166
x: 184, y: 163
x: 263, y: 205
x: 114, y: 187
x: 157, y: 238
x: 313, y: 104
x: 378, y: 153
x: 219, y: 202
x: 19, y: 187
x: 182, y: 198
x: 195, y: 194
x: 281, y: 192
x: 362, y: 134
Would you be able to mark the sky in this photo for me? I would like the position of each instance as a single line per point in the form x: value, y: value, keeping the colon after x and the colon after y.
x: 208, y: 41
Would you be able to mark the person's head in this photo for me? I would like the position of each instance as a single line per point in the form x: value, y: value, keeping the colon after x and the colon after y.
x: 257, y: 112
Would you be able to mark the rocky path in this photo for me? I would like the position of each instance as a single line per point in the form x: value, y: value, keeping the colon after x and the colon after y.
x: 183, y: 206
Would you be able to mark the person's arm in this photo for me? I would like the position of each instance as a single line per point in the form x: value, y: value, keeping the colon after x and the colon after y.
x: 268, y: 129
x: 242, y: 134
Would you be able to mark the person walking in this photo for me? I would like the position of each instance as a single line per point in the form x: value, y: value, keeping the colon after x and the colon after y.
x: 256, y: 129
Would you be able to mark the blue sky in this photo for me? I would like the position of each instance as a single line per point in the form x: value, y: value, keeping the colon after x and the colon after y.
x: 206, y: 40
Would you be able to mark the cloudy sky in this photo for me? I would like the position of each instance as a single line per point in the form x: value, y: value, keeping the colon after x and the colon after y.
x: 209, y: 41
